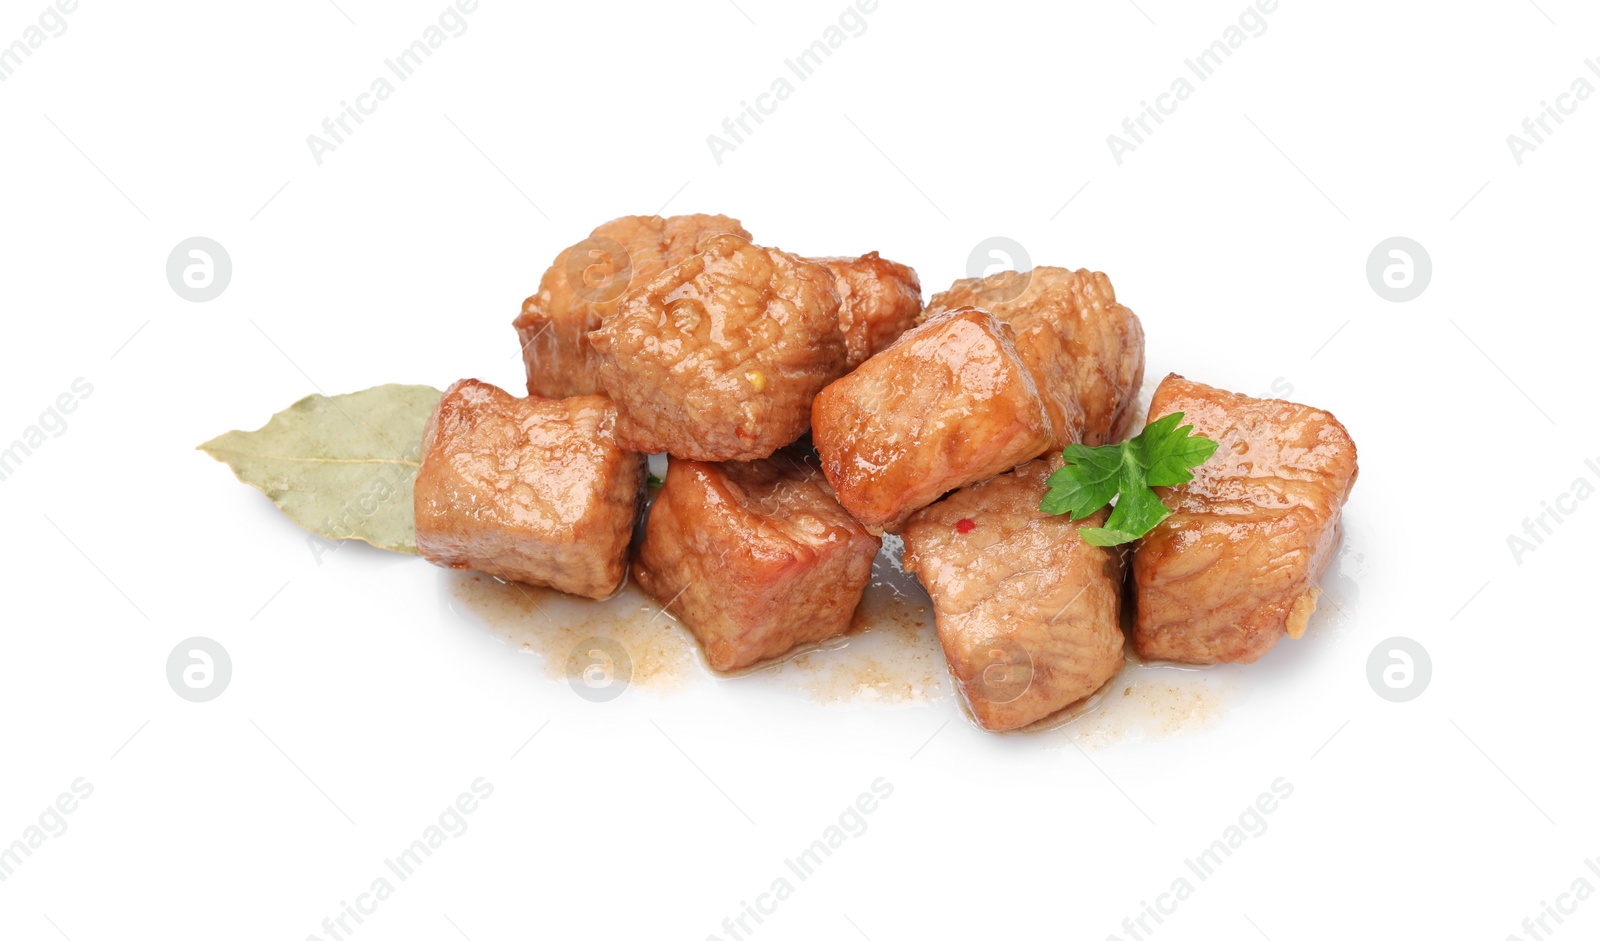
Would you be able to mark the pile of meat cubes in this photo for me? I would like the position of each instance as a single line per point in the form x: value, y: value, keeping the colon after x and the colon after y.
x: 937, y: 422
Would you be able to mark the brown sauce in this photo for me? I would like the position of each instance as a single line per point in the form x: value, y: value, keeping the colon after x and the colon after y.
x: 890, y: 655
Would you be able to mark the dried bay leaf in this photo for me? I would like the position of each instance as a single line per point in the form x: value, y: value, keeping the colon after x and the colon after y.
x: 340, y: 466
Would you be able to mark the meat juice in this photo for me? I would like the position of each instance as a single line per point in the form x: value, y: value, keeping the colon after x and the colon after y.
x: 890, y: 656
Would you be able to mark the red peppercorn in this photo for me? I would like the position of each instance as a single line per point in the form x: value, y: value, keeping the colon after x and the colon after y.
x: 965, y: 526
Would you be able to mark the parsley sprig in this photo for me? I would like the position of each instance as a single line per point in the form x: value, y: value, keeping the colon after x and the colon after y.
x: 1159, y: 456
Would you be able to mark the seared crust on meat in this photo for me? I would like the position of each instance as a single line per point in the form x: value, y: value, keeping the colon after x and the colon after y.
x: 532, y: 490
x: 1027, y: 612
x: 878, y: 300
x: 1085, y: 350
x: 948, y: 403
x: 755, y: 558
x: 585, y: 283
x: 1237, y: 564
x: 719, y: 357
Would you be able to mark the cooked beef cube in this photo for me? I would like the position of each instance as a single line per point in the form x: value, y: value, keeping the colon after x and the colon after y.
x: 948, y: 403
x: 1085, y: 350
x: 719, y: 357
x: 1236, y: 565
x: 533, y: 490
x: 878, y: 300
x: 756, y: 558
x: 1027, y: 612
x: 585, y: 283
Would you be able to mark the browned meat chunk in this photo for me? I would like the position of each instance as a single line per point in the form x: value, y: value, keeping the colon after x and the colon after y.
x: 878, y: 300
x: 1027, y: 612
x: 1236, y: 565
x: 585, y: 283
x: 718, y: 358
x: 756, y: 558
x: 948, y: 403
x: 532, y: 490
x: 1085, y: 350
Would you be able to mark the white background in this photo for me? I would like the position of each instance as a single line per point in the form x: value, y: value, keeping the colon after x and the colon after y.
x: 1239, y: 232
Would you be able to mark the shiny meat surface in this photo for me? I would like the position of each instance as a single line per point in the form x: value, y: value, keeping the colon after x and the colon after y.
x: 1236, y: 566
x: 1027, y: 612
x: 755, y: 558
x: 1085, y: 350
x: 532, y: 490
x: 878, y: 300
x: 718, y: 358
x: 585, y: 283
x: 949, y: 403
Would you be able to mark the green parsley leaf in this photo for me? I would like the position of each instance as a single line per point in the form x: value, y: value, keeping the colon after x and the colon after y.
x: 1169, y: 451
x: 1086, y: 484
x: 1159, y: 456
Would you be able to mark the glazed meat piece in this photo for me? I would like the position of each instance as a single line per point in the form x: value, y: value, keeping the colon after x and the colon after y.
x: 1085, y: 350
x: 585, y: 283
x: 532, y: 490
x: 1027, y: 612
x: 1236, y: 565
x: 878, y: 300
x: 755, y: 558
x: 718, y: 358
x: 948, y: 403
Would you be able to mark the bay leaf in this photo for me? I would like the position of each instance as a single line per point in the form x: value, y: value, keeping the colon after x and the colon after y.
x: 340, y: 466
